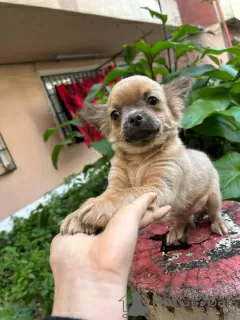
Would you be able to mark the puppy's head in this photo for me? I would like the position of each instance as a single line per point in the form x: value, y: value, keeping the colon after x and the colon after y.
x: 140, y: 113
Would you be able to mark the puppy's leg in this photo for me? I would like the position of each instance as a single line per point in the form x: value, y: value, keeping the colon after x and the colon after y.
x: 177, y: 231
x: 95, y: 214
x: 218, y: 226
x: 181, y: 221
x: 104, y: 207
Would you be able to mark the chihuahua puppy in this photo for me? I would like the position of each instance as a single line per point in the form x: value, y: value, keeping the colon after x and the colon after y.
x: 141, y: 120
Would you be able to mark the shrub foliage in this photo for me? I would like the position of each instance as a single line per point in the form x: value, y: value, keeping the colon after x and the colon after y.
x: 26, y: 289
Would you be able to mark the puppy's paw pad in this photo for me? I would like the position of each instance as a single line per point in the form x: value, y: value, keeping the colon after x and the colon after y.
x: 219, y: 227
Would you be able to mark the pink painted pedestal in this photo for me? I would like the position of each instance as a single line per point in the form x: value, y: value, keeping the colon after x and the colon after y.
x: 196, y: 280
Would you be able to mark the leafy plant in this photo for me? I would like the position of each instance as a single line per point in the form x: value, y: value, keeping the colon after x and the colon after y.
x: 16, y: 312
x: 229, y: 166
x: 26, y: 289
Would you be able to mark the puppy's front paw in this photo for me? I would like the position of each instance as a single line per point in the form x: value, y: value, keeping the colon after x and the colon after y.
x: 176, y: 233
x: 91, y: 218
x: 219, y: 227
x: 71, y: 224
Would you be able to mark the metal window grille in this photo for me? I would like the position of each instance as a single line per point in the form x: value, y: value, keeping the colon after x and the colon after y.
x: 7, y: 163
x: 57, y: 106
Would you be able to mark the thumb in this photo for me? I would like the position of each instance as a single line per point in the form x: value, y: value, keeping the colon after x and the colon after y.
x: 155, y: 215
x: 117, y: 242
x: 130, y: 214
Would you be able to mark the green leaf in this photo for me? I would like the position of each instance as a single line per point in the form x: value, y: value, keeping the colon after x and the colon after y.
x: 129, y: 53
x: 6, y: 314
x: 104, y: 147
x: 200, y: 110
x: 181, y: 50
x: 222, y: 89
x: 74, y: 134
x: 219, y: 126
x: 228, y: 168
x: 160, y: 46
x: 233, y: 112
x: 219, y: 74
x: 193, y: 71
x: 48, y: 133
x: 160, y: 70
x: 236, y: 88
x: 141, y: 67
x: 214, y: 59
x: 234, y: 50
x: 234, y: 62
x: 100, y: 95
x: 162, y: 17
x: 75, y: 122
x: 118, y: 73
x: 200, y: 83
x: 57, y: 149
x: 93, y: 92
x: 185, y: 30
x: 160, y: 60
x: 144, y: 47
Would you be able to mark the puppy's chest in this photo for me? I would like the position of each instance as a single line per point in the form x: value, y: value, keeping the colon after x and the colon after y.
x: 136, y: 175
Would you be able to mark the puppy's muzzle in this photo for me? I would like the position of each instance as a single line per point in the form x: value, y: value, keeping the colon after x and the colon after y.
x: 140, y: 126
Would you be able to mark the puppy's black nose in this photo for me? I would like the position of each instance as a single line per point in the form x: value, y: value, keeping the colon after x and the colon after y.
x: 135, y: 119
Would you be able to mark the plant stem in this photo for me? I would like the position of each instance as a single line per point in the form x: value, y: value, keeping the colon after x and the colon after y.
x: 165, y: 38
x: 150, y: 63
x: 175, y: 60
x: 237, y: 76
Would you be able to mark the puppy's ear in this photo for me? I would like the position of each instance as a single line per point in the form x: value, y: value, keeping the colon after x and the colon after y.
x: 96, y: 115
x: 176, y: 93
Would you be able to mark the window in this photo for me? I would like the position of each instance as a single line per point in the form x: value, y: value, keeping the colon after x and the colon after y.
x: 6, y: 161
x: 57, y: 106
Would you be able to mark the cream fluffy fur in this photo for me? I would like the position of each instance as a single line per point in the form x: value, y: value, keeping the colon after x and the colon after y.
x: 183, y: 178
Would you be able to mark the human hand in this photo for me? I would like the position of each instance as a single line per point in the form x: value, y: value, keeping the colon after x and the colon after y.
x: 91, y: 272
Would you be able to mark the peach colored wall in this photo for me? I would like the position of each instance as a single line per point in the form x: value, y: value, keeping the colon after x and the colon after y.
x: 24, y: 117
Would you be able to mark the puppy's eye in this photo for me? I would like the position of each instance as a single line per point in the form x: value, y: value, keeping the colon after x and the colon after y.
x: 115, y: 115
x: 153, y: 101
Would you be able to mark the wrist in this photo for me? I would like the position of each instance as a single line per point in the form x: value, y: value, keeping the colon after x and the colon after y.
x: 85, y: 298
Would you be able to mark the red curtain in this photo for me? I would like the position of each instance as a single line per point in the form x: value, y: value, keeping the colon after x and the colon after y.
x: 73, y: 96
